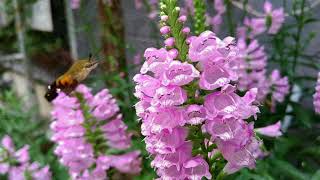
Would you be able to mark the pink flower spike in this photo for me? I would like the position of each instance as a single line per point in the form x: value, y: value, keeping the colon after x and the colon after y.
x: 273, y: 130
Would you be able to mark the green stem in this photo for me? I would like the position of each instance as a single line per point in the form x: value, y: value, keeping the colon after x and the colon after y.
x: 170, y: 8
x: 221, y: 175
x: 245, y: 11
x: 229, y: 17
x: 199, y: 17
x: 300, y: 19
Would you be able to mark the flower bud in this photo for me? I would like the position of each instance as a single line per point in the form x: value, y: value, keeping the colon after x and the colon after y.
x: 169, y: 42
x: 182, y: 19
x: 186, y: 30
x: 165, y: 30
x: 164, y: 18
x: 173, y: 53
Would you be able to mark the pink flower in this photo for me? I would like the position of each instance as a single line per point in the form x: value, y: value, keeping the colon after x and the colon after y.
x: 239, y: 157
x: 279, y: 87
x: 234, y: 131
x: 195, y: 114
x: 22, y: 154
x: 316, y: 96
x: 213, y: 78
x: 146, y: 87
x: 7, y: 143
x: 127, y: 163
x: 255, y: 26
x: 274, y: 18
x: 227, y: 103
x: 273, y: 130
x: 169, y: 96
x: 197, y: 168
x: 163, y: 143
x: 162, y: 118
x: 180, y: 156
x: 201, y: 46
x: 252, y: 69
x: 217, y: 19
x: 16, y: 163
x: 179, y: 73
x: 79, y: 130
x: 156, y: 59
x: 115, y: 133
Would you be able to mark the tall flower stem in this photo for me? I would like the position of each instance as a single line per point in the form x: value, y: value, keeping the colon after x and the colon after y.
x: 199, y: 16
x: 300, y: 19
x: 170, y: 9
x: 229, y: 17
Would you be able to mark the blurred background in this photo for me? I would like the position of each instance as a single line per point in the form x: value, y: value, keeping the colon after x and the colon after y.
x: 40, y: 39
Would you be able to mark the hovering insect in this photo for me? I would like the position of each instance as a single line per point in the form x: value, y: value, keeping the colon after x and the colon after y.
x: 70, y: 80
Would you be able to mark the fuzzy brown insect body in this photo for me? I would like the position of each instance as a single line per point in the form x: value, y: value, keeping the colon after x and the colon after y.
x: 70, y: 80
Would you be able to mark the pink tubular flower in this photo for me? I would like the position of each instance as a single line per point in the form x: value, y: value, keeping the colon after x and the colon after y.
x: 255, y: 26
x: 178, y: 73
x: 273, y: 130
x: 163, y: 143
x: 146, y: 87
x: 16, y: 163
x: 252, y: 69
x: 195, y: 114
x: 162, y: 118
x: 279, y: 87
x: 239, y: 157
x: 217, y: 19
x: 126, y: 163
x: 274, y: 18
x: 74, y: 131
x: 217, y: 58
x: 169, y: 96
x: 271, y: 21
x: 196, y: 168
x: 228, y: 104
x: 156, y: 59
x: 316, y: 96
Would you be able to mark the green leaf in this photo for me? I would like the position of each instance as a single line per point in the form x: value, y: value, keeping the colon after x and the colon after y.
x: 316, y: 176
x: 289, y: 170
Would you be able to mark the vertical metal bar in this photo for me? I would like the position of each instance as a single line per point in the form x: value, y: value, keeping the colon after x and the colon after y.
x: 71, y: 30
x: 31, y: 100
